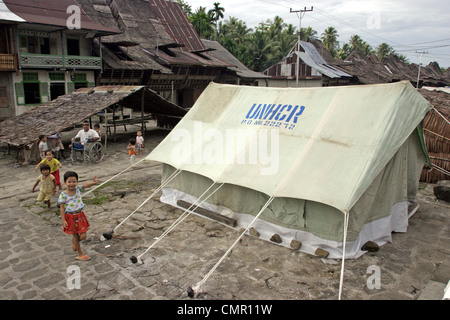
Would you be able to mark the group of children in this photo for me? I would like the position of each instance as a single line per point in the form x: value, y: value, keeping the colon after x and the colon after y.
x: 70, y: 200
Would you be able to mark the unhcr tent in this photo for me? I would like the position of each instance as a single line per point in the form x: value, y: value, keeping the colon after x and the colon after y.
x: 340, y: 165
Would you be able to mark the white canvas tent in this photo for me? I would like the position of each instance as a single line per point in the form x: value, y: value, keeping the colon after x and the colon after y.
x: 340, y: 165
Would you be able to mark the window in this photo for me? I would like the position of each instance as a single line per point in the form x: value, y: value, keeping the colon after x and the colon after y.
x: 3, y: 98
x: 34, y: 44
x: 79, y: 80
x: 57, y: 76
x: 31, y: 90
x: 73, y: 47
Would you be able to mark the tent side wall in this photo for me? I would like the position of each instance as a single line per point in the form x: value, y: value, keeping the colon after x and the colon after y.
x: 383, y: 208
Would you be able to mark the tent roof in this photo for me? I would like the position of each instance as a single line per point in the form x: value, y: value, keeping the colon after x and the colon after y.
x: 69, y: 110
x: 326, y: 144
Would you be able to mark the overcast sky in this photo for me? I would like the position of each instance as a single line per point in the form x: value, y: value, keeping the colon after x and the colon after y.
x: 406, y: 25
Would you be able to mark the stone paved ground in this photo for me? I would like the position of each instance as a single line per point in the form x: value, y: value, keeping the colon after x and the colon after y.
x: 36, y: 256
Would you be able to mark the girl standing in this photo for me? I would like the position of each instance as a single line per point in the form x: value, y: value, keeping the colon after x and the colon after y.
x: 54, y: 164
x: 132, y: 152
x: 71, y: 209
x: 48, y: 187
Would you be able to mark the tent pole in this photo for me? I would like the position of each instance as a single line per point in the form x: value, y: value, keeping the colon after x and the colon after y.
x: 106, y: 127
x: 341, y: 280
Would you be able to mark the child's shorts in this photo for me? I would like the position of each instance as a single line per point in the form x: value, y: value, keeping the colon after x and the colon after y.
x: 44, y: 196
x: 76, y: 222
x: 56, y: 175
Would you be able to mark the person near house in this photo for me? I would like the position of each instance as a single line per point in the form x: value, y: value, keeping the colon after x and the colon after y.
x: 48, y: 185
x: 55, y: 144
x: 71, y: 210
x: 97, y: 129
x: 139, y: 142
x: 43, y: 146
x: 85, y: 135
x: 132, y: 152
x: 54, y: 165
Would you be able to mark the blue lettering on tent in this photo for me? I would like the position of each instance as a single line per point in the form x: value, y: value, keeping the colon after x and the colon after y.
x: 275, y: 115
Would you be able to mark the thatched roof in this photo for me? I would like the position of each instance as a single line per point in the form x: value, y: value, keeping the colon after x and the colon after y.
x: 370, y: 70
x: 437, y: 135
x: 235, y: 65
x: 69, y: 110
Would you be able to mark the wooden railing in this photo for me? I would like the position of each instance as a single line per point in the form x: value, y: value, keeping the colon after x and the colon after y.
x: 7, y: 62
x: 28, y: 60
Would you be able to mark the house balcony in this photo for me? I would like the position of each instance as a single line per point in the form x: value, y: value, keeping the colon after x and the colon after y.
x: 47, y: 61
x: 7, y: 62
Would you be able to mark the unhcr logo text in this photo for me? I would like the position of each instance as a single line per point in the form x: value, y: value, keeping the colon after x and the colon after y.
x: 274, y: 115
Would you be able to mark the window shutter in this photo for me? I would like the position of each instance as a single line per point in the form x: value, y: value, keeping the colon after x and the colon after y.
x: 70, y: 87
x: 44, y: 91
x: 20, y: 95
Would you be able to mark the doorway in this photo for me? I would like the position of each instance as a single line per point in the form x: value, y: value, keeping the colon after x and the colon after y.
x: 73, y: 47
x: 32, y: 92
x: 56, y: 90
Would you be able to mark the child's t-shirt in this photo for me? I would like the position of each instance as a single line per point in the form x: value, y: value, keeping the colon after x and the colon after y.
x: 54, y: 163
x: 46, y: 184
x: 139, y: 140
x: 72, y: 203
x: 42, y: 148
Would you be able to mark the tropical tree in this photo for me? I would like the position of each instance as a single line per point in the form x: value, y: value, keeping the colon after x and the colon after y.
x: 344, y: 51
x: 329, y: 39
x: 201, y: 22
x: 187, y: 9
x: 216, y: 14
x: 308, y: 33
x: 383, y: 50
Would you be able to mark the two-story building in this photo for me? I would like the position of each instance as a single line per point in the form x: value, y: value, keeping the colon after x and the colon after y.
x: 46, y: 51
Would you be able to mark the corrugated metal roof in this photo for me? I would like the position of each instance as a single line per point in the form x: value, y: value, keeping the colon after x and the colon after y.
x: 52, y: 12
x: 177, y: 24
x: 313, y: 59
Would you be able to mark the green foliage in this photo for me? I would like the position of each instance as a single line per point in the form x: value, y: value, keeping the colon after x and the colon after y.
x: 271, y: 40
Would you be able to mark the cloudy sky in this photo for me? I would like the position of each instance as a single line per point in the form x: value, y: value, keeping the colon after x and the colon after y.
x: 409, y: 26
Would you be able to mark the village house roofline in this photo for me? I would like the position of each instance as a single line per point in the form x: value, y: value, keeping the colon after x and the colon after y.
x: 53, y: 13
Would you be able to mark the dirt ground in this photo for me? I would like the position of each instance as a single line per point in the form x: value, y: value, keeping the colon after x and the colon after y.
x: 255, y: 269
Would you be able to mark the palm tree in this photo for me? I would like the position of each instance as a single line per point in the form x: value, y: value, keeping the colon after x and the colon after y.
x: 344, y: 51
x: 202, y: 23
x: 356, y: 43
x: 187, y: 9
x: 383, y: 50
x: 329, y: 40
x: 308, y: 33
x: 216, y: 13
